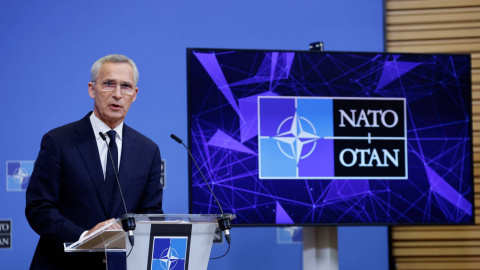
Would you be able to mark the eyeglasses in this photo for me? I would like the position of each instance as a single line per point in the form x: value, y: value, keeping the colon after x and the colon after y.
x: 109, y: 86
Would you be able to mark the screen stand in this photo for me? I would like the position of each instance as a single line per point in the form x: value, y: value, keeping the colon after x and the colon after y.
x: 320, y: 248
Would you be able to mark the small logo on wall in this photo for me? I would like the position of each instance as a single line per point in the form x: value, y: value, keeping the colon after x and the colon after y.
x: 289, y: 235
x: 169, y: 253
x: 18, y: 174
x: 332, y: 138
x: 163, y: 175
x: 5, y: 234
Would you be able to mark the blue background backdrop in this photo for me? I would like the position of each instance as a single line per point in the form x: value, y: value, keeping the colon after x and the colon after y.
x: 48, y: 47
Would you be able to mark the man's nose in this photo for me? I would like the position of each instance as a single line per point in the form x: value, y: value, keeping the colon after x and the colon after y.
x: 117, y: 92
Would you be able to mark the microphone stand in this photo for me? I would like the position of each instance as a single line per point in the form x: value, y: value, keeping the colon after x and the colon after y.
x: 224, y: 222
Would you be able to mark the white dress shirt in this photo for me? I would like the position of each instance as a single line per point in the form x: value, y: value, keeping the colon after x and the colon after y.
x: 99, y: 126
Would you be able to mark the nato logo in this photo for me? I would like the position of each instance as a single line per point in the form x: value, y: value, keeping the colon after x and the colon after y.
x: 169, y: 253
x: 18, y: 174
x: 331, y: 138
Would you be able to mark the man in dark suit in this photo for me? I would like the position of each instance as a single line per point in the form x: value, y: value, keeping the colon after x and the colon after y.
x: 69, y: 194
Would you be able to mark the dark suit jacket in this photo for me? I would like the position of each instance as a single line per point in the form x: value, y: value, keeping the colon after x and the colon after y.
x: 66, y: 194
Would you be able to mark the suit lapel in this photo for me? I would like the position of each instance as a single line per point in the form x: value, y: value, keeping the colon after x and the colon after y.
x: 87, y: 146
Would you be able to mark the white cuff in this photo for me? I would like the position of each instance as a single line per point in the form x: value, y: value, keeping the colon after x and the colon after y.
x: 83, y: 235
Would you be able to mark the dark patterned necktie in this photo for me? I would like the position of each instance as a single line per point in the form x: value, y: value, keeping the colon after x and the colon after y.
x: 110, y: 178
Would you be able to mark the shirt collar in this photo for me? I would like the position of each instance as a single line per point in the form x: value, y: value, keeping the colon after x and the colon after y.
x: 99, y: 126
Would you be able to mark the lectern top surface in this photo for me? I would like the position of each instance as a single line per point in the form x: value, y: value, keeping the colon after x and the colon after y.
x: 104, y: 238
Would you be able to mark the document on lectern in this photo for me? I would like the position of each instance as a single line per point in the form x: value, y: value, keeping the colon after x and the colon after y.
x: 100, y: 240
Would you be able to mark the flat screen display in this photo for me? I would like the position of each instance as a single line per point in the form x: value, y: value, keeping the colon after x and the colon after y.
x: 305, y: 137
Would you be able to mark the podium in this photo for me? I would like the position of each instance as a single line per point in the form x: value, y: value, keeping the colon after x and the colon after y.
x: 161, y: 241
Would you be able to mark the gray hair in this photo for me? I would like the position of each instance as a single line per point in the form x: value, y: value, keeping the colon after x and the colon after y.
x: 113, y: 58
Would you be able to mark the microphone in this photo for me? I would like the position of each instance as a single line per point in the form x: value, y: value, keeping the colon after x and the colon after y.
x: 224, y: 222
x: 128, y: 222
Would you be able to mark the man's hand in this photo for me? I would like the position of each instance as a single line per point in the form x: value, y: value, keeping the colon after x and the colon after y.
x: 114, y: 226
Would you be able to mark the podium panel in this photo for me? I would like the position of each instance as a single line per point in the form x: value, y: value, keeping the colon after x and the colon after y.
x: 161, y: 241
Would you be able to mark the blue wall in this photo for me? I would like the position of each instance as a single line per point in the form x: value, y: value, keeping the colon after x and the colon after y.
x: 46, y: 51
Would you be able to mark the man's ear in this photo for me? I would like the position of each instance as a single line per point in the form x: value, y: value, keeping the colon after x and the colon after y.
x: 91, y: 90
x: 135, y: 96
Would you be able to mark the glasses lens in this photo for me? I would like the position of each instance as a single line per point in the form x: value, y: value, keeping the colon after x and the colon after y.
x: 109, y: 86
x: 126, y: 88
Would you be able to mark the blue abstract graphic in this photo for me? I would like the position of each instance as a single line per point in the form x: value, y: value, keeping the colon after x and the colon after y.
x: 226, y: 86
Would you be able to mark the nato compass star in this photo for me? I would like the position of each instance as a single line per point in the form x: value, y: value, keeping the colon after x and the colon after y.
x: 20, y: 175
x: 296, y: 138
x: 169, y: 258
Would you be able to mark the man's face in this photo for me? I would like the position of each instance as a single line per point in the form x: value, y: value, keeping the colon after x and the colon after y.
x: 112, y: 106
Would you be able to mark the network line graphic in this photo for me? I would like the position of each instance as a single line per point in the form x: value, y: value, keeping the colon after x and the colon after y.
x: 225, y: 89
